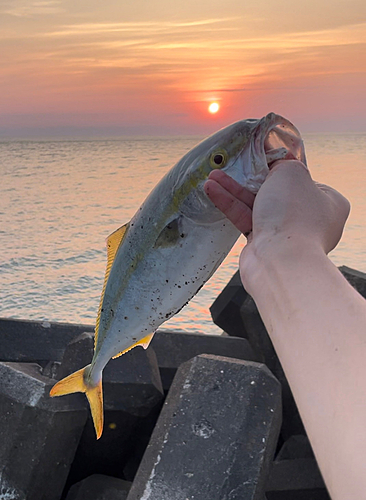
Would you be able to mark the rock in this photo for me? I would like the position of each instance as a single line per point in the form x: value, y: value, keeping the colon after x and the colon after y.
x: 225, y: 310
x: 216, y: 434
x: 36, y: 341
x: 99, y: 487
x: 295, y: 473
x: 174, y: 348
x: 295, y: 447
x: 356, y: 278
x: 38, y: 435
x: 317, y: 494
x: 78, y: 353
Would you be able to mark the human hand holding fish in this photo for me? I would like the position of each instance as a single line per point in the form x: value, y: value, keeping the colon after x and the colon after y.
x: 289, y: 211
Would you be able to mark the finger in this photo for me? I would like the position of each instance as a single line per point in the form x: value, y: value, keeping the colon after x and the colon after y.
x: 235, y: 210
x: 233, y: 187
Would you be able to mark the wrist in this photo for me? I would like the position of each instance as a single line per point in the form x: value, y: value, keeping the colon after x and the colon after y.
x: 273, y: 258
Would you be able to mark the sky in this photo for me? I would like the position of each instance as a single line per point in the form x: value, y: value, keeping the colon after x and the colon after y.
x: 99, y: 68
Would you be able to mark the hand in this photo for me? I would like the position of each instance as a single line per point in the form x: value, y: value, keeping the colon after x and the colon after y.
x: 288, y: 205
x: 290, y: 211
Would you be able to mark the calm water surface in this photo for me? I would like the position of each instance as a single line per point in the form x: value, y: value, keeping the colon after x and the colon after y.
x: 59, y: 200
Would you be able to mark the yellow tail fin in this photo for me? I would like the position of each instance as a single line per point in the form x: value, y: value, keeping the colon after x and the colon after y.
x: 76, y: 383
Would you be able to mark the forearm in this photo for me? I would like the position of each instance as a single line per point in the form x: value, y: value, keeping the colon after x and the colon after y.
x: 316, y: 321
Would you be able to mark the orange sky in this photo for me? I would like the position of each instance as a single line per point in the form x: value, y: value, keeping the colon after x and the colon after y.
x: 100, y: 68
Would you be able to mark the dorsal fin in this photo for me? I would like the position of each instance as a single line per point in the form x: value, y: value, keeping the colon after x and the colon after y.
x: 113, y: 243
x: 144, y: 342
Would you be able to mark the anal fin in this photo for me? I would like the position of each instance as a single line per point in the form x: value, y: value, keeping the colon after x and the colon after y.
x: 144, y: 342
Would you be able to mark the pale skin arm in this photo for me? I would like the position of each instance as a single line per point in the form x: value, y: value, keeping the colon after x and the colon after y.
x: 316, y: 320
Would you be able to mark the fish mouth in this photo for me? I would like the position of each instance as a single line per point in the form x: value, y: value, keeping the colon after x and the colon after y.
x: 274, y: 138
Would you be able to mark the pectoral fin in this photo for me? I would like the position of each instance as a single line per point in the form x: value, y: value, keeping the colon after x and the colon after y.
x: 170, y: 235
x: 144, y: 342
x: 114, y: 241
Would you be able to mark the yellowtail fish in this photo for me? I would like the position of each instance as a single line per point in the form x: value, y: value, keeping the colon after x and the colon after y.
x: 174, y: 243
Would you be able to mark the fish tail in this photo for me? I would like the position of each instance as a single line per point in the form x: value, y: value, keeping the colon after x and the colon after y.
x: 79, y: 382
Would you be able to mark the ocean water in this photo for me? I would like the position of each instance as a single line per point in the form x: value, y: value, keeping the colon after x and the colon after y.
x: 59, y: 200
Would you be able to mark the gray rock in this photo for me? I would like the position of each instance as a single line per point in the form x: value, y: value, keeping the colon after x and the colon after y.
x: 215, y: 436
x: 36, y: 341
x: 78, y: 353
x: 174, y: 348
x: 99, y: 487
x: 295, y: 473
x: 295, y: 447
x: 316, y: 494
x: 356, y: 278
x: 225, y: 310
x: 38, y: 435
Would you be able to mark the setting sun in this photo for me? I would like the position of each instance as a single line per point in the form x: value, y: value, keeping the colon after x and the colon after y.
x: 213, y: 107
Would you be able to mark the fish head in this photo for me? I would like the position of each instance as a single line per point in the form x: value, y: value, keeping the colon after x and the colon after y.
x: 270, y: 138
x: 244, y: 150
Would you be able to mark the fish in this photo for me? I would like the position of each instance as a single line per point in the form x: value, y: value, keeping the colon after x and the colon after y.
x: 174, y: 243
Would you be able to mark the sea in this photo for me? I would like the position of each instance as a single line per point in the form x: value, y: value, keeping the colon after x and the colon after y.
x: 60, y: 199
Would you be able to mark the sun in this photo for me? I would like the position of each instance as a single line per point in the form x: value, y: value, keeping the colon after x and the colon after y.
x: 213, y: 107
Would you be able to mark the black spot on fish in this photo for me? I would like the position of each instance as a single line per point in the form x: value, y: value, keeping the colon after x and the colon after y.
x: 126, y: 317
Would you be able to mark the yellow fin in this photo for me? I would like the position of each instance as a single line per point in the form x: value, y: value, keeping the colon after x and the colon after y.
x: 113, y: 242
x: 95, y: 398
x: 144, y: 342
x: 76, y: 383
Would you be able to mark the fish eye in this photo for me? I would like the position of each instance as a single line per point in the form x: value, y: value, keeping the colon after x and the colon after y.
x: 218, y: 159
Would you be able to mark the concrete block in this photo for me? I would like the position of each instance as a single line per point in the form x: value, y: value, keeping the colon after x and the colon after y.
x: 38, y: 435
x: 99, y: 487
x: 133, y: 396
x: 317, y: 494
x: 78, y: 353
x: 174, y: 348
x: 216, y: 434
x: 356, y: 278
x: 294, y: 475
x: 36, y: 341
x: 225, y: 310
x: 295, y: 447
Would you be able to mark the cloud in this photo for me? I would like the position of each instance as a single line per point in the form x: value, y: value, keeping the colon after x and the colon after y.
x: 26, y: 8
